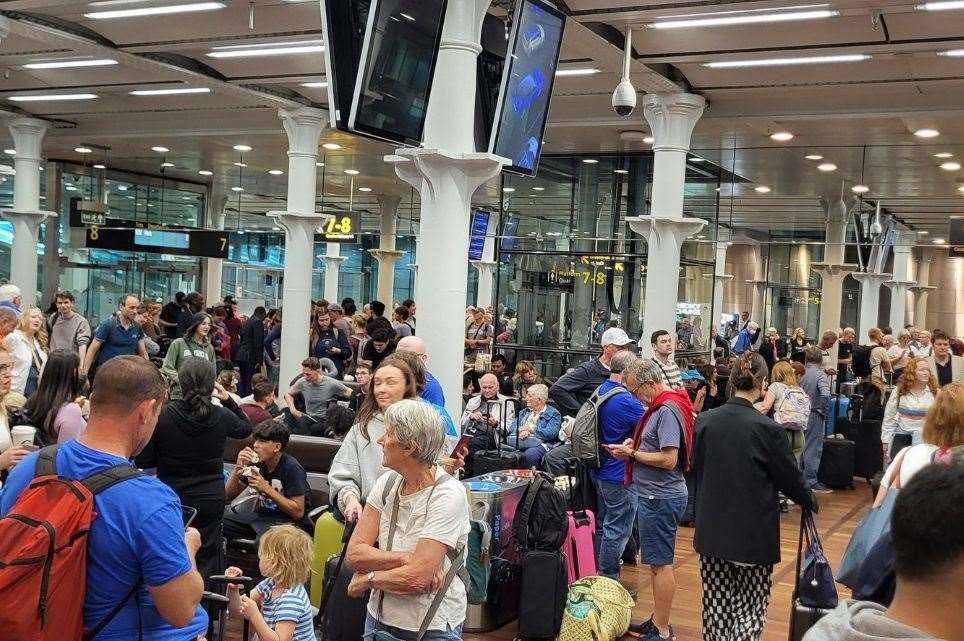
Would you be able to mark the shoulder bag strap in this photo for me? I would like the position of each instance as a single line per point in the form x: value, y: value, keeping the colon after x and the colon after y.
x: 47, y: 461
x: 456, y: 565
x: 391, y: 534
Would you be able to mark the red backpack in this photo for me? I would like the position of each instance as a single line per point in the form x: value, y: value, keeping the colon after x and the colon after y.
x: 43, y: 554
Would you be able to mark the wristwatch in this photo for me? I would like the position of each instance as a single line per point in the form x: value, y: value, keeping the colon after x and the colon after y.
x: 371, y: 580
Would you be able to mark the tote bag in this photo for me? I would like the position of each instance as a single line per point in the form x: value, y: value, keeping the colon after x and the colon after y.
x: 815, y: 586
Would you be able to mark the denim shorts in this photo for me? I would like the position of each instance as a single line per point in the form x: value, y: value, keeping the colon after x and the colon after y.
x: 449, y: 634
x: 658, y: 522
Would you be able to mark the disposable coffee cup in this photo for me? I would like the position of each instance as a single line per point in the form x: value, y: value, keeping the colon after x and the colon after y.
x: 23, y: 435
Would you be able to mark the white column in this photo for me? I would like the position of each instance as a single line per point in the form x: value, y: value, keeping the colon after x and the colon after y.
x: 386, y: 254
x: 486, y: 266
x: 672, y: 118
x: 720, y: 277
x: 901, y: 284
x: 923, y: 287
x: 833, y: 270
x: 303, y: 127
x: 869, y: 301
x: 333, y: 260
x: 213, y: 266
x: 26, y: 215
x: 446, y: 172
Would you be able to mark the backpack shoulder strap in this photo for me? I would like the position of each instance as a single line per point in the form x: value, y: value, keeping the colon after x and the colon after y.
x: 100, y: 481
x: 619, y: 389
x: 47, y: 461
x: 523, y: 513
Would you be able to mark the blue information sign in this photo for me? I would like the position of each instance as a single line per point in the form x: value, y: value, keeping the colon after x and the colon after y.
x: 479, y: 226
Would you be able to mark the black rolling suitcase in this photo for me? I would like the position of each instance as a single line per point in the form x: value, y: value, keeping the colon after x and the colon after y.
x: 542, y: 598
x: 837, y: 463
x: 343, y: 617
x: 489, y: 460
x: 868, y: 456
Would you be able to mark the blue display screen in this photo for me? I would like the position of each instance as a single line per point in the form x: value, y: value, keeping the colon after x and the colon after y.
x: 154, y: 238
x: 527, y: 85
x: 479, y: 226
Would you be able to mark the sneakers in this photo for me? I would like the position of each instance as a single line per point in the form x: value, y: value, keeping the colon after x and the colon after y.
x: 647, y: 631
x: 820, y: 488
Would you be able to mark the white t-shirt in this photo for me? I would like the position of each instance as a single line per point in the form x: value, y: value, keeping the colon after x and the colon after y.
x: 915, y: 458
x: 445, y: 520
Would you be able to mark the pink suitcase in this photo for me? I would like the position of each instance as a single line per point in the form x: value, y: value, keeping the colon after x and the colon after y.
x: 578, y: 547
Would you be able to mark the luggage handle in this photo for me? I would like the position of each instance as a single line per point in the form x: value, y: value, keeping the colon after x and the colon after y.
x: 323, y: 604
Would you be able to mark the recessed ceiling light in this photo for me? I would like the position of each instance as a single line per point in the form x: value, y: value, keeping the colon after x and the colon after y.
x: 315, y: 85
x: 155, y: 11
x: 538, y: 189
x: 778, y: 62
x: 160, y: 150
x: 748, y: 17
x: 68, y: 64
x: 577, y: 72
x: 70, y: 188
x: 508, y: 190
x: 100, y: 166
x: 275, y: 172
x: 961, y: 189
x: 167, y: 164
x: 352, y: 172
x: 620, y: 171
x: 944, y: 154
x: 237, y: 189
x: 951, y: 166
x: 927, y: 133
x: 365, y: 189
x: 940, y: 6
x: 121, y: 187
x: 814, y: 157
x: 319, y: 164
x: 590, y: 161
x: 762, y: 189
x: 697, y: 159
x: 206, y: 172
x: 242, y: 148
x: 860, y: 189
x: 240, y: 164
x: 10, y: 152
x: 83, y: 150
x: 938, y: 241
x: 781, y: 136
x: 649, y: 140
x: 263, y: 50
x: 53, y: 97
x: 331, y: 146
x: 827, y: 166
x: 169, y: 92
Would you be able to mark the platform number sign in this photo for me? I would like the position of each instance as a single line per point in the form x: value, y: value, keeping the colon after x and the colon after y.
x: 342, y: 227
x: 955, y: 236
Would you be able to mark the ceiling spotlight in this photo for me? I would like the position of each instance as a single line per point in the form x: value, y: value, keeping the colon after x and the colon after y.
x: 242, y: 148
x: 319, y: 164
x: 927, y: 133
x: 781, y: 136
x: 160, y: 150
x: 237, y: 189
x: 827, y: 166
x: 100, y: 167
x: 122, y: 187
x: 762, y: 189
x: 620, y: 171
x: 83, y: 150
x: 649, y: 140
x: 365, y: 189
x: 205, y: 172
x: 275, y: 172
x: 352, y: 172
x: 240, y: 164
x: 944, y: 154
x: 814, y: 157
x: 508, y: 190
x: 860, y: 189
x: 938, y: 241
x: 538, y: 189
x: 951, y: 166
x: 10, y: 152
x: 167, y: 164
x: 331, y: 146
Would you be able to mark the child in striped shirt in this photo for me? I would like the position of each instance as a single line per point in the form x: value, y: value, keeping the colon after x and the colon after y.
x: 278, y: 607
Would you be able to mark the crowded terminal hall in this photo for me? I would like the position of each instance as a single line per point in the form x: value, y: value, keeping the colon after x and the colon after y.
x: 372, y: 320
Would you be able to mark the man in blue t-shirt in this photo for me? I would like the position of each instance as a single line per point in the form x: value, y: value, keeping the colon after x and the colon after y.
x: 118, y: 335
x: 137, y: 539
x: 433, y: 390
x: 616, y: 502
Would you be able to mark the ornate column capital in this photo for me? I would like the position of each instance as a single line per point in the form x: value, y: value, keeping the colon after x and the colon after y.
x: 28, y: 136
x: 672, y: 117
x: 428, y: 169
x: 382, y: 255
x: 303, y: 127
x: 658, y: 230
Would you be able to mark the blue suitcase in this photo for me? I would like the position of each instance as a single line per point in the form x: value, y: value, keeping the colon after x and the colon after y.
x: 837, y: 408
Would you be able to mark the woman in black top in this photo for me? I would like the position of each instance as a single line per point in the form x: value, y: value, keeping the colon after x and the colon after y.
x: 188, y: 448
x: 742, y: 461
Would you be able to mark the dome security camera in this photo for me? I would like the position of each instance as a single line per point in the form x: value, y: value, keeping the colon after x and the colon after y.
x: 624, y: 98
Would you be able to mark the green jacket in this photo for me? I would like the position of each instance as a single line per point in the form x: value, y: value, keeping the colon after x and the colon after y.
x: 180, y: 350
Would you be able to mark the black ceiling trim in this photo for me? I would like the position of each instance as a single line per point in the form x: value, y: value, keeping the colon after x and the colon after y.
x: 59, y: 24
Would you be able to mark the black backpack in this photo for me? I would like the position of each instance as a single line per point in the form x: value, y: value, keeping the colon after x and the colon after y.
x: 540, y: 521
x: 861, y: 360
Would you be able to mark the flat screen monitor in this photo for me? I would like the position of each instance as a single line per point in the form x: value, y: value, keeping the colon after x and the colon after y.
x: 154, y: 238
x: 396, y: 68
x: 523, y: 107
x: 479, y: 227
x: 343, y: 23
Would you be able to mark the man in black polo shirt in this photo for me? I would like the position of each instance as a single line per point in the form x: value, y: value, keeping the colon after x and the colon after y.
x: 946, y: 367
x: 845, y: 355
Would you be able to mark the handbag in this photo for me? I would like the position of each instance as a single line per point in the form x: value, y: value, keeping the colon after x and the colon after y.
x: 456, y: 557
x: 815, y: 586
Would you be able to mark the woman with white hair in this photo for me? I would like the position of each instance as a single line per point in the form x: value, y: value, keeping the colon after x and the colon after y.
x: 28, y: 347
x: 410, y: 541
x: 536, y: 427
x: 900, y: 353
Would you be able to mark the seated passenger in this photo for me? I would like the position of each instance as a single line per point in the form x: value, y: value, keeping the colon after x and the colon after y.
x: 258, y: 410
x: 536, y: 427
x: 317, y: 390
x: 483, y: 412
x: 279, y: 480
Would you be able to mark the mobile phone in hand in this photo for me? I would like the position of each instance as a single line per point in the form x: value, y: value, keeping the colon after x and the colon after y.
x: 188, y: 513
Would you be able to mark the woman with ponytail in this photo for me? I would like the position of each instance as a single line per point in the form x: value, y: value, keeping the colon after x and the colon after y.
x: 742, y: 461
x: 187, y: 449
